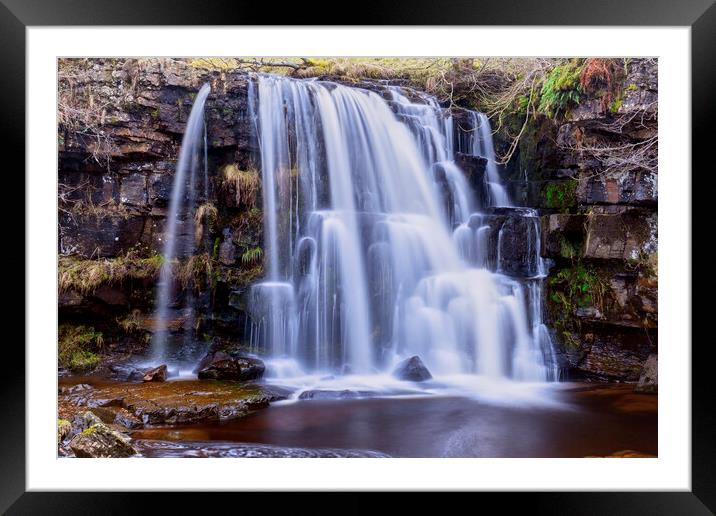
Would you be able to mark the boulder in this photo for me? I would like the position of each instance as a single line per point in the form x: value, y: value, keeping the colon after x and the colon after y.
x: 222, y: 366
x: 74, y: 389
x: 158, y: 374
x: 126, y: 372
x: 101, y: 441
x: 412, y: 370
x: 648, y: 382
x: 82, y: 421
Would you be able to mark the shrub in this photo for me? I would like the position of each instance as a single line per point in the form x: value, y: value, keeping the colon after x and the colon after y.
x: 77, y: 347
x: 561, y: 196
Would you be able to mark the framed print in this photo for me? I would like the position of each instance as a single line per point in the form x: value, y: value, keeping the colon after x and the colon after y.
x: 428, y: 252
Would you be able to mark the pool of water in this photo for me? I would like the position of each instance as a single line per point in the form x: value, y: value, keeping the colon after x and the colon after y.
x: 580, y: 420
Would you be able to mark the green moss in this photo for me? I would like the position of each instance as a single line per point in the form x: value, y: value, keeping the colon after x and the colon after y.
x: 560, y: 90
x: 560, y: 196
x: 615, y: 105
x: 90, y: 430
x: 632, y: 87
x: 215, y: 249
x: 155, y: 114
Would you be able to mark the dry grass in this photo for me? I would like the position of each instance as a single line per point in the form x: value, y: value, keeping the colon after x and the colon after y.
x: 132, y: 323
x: 196, y: 272
x: 206, y: 216
x: 597, y: 76
x: 246, y: 184
x: 85, y: 276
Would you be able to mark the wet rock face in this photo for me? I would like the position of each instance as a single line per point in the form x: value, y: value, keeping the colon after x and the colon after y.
x: 512, y: 237
x: 598, y: 223
x: 631, y: 187
x: 117, y: 172
x: 620, y: 237
x: 412, y: 370
x: 116, y: 169
x: 474, y: 169
x: 611, y: 353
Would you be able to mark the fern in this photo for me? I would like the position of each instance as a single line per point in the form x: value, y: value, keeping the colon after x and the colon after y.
x: 561, y: 90
x: 252, y: 255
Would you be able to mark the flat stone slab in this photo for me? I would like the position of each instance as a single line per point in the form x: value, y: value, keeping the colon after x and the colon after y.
x: 178, y: 402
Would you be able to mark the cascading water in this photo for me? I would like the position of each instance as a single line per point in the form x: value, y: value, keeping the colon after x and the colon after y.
x: 179, y: 240
x: 361, y: 197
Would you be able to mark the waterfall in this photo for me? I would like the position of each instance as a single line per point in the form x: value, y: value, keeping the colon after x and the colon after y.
x: 376, y: 248
x: 179, y: 235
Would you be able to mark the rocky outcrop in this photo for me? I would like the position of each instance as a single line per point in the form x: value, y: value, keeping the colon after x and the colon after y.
x: 593, y: 176
x: 121, y: 123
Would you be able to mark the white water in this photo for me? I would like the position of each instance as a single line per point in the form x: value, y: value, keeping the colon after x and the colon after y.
x: 361, y: 195
x: 179, y: 232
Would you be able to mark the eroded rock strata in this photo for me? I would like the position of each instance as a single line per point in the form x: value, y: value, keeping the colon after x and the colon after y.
x: 121, y: 125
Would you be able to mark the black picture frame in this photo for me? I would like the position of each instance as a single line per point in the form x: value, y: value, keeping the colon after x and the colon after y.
x: 700, y: 15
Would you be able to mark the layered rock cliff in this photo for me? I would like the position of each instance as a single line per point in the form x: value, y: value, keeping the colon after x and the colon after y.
x: 590, y: 172
x: 593, y: 175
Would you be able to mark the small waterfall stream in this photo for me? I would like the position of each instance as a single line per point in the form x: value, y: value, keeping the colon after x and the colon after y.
x: 179, y: 234
x: 376, y: 246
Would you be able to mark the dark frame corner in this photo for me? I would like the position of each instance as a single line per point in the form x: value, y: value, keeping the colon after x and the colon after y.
x: 700, y: 15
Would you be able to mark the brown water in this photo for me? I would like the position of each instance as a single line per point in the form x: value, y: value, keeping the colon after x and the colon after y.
x: 594, y: 420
